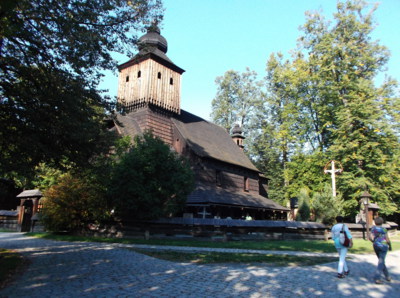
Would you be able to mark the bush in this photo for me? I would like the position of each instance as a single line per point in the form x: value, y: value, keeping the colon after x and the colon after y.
x: 325, y: 206
x: 303, y: 214
x: 150, y: 181
x: 73, y: 203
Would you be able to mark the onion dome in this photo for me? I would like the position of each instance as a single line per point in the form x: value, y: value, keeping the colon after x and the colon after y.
x: 237, y: 135
x: 153, y: 40
x: 236, y: 130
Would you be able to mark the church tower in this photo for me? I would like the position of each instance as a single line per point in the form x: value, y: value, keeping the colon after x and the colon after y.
x: 150, y: 79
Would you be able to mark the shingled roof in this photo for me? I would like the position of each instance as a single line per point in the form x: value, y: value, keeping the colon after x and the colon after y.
x: 211, y: 141
x: 127, y: 125
x: 206, y: 139
x: 31, y: 193
x: 219, y: 196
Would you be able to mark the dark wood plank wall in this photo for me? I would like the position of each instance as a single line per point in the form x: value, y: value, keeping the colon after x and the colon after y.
x: 230, y: 177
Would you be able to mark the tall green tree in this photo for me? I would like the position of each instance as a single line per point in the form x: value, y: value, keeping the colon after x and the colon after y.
x: 338, y: 110
x: 323, y: 103
x: 52, y: 54
x: 283, y: 126
x: 150, y: 181
x: 238, y: 99
x: 345, y: 63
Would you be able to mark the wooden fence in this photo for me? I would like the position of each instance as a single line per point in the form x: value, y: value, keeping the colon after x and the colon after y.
x: 225, y: 229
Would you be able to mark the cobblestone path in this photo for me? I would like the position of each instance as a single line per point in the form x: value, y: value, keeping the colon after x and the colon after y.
x: 77, y: 269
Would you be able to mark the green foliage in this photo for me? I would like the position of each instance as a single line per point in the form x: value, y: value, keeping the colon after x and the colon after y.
x: 8, y: 195
x: 323, y: 104
x: 354, y: 113
x: 238, y: 99
x: 150, y: 181
x: 145, y: 180
x: 306, y: 170
x: 325, y: 206
x: 45, y: 177
x: 52, y: 56
x: 74, y: 202
x: 304, y: 212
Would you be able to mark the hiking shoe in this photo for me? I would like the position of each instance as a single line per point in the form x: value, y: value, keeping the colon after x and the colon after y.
x: 378, y: 281
x: 347, y: 272
x: 340, y: 275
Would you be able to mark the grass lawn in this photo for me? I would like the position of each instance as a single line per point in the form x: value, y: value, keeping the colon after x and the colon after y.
x: 246, y: 258
x: 320, y: 246
x: 10, y: 263
x: 395, y: 238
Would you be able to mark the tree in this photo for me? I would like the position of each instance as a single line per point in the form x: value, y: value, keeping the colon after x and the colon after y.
x: 46, y: 177
x: 73, y: 203
x: 51, y: 56
x: 237, y: 100
x: 282, y: 127
x: 78, y: 197
x: 325, y: 206
x: 327, y: 102
x: 150, y: 181
x: 303, y: 213
x: 345, y: 63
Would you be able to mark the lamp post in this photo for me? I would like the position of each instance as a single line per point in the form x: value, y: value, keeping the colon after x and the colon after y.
x: 365, y: 197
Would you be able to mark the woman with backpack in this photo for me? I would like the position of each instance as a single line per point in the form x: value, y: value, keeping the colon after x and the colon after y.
x: 339, y: 229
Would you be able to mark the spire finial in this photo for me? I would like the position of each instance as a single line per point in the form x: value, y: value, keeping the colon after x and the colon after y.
x: 154, y: 27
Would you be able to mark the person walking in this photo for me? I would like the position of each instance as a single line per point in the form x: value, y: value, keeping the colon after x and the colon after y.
x: 381, y: 242
x: 336, y: 230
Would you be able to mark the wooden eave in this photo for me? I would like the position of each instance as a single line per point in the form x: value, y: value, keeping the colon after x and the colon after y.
x: 141, y: 58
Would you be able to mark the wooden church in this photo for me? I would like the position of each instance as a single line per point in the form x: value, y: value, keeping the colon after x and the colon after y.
x: 228, y: 185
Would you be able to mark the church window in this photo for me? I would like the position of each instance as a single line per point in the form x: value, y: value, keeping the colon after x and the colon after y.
x: 246, y: 184
x: 127, y: 79
x: 159, y: 75
x: 218, y: 177
x: 139, y: 74
x: 171, y: 81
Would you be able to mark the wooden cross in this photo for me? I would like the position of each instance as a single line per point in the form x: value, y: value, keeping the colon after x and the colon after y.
x: 204, y: 212
x: 333, y: 171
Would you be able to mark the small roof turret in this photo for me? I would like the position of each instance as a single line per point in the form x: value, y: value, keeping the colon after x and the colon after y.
x: 237, y: 130
x: 237, y: 135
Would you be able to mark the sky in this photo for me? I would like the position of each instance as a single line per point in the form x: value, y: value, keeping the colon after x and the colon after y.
x: 209, y: 37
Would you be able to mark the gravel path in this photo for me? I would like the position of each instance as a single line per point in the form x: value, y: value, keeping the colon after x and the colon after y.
x: 81, y: 269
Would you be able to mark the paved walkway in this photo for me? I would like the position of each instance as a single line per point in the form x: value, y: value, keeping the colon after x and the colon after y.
x: 78, y: 269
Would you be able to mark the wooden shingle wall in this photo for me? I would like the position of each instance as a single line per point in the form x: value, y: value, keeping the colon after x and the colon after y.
x: 159, y: 122
x: 152, y: 83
